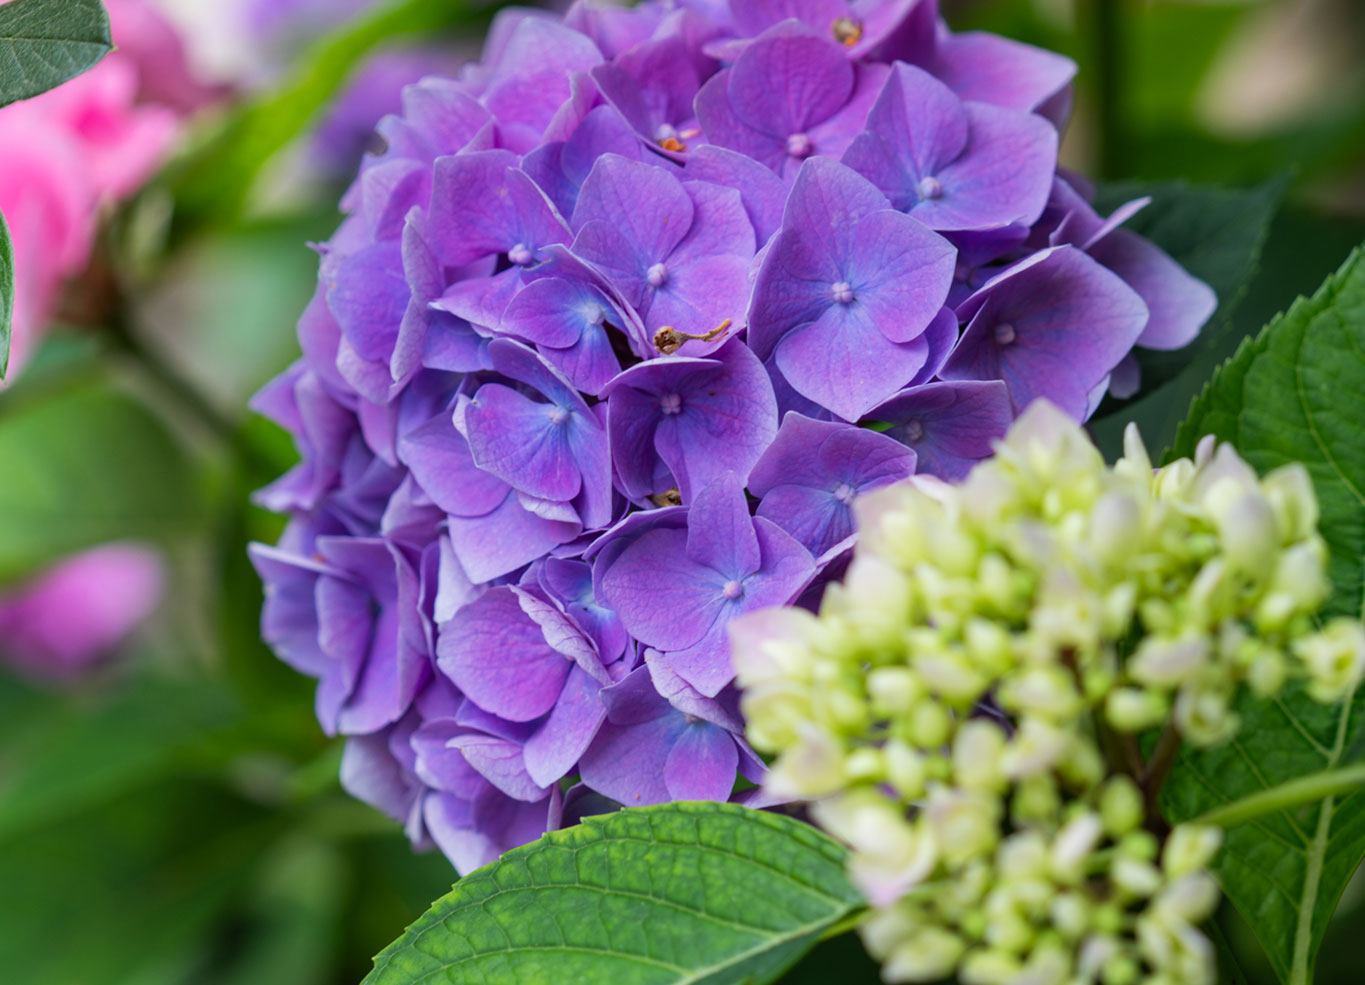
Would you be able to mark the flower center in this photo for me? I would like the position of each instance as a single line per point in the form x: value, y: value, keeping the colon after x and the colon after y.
x: 843, y: 492
x: 657, y: 275
x: 558, y: 415
x: 847, y: 31
x: 521, y: 255
x: 913, y: 430
x: 670, y: 403
x: 928, y: 188
x: 732, y: 590
x: 667, y: 137
x: 842, y: 292
x: 799, y: 145
x: 1004, y: 333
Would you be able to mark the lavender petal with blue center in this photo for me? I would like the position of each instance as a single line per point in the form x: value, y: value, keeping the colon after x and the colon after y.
x: 682, y: 421
x: 678, y: 252
x: 950, y: 426
x: 1051, y: 326
x: 950, y: 164
x: 810, y: 474
x: 675, y: 590
x: 791, y: 95
x: 651, y: 752
x: 846, y: 292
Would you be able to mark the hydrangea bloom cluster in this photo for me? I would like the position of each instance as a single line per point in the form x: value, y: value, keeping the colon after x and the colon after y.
x: 584, y: 374
x: 963, y: 708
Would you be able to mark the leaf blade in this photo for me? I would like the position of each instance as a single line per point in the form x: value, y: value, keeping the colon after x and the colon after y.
x: 6, y: 295
x: 682, y: 893
x: 43, y: 43
x: 1292, y: 394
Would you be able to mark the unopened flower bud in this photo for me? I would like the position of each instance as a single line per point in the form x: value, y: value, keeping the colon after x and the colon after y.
x: 1190, y: 848
x: 1072, y: 847
x: 1334, y: 659
x: 1192, y: 898
x: 1134, y: 710
x: 929, y: 954
x: 977, y: 751
x: 1121, y: 807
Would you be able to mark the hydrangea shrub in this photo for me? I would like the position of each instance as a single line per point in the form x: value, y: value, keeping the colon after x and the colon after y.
x: 587, y: 369
x: 964, y: 709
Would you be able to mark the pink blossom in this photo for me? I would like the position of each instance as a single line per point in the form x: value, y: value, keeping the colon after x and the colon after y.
x: 66, y: 618
x: 78, y: 148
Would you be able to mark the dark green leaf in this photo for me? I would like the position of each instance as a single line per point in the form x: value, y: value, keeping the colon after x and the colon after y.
x: 66, y: 755
x: 6, y: 294
x: 691, y: 892
x: 1217, y: 235
x: 45, y: 42
x: 83, y: 466
x: 1295, y: 393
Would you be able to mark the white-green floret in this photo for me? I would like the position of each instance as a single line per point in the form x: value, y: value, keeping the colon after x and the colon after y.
x: 964, y: 711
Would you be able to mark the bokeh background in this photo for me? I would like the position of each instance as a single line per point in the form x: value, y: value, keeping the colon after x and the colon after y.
x: 169, y: 812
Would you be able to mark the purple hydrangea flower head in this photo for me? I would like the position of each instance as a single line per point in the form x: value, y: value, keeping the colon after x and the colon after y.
x: 576, y: 292
x: 846, y: 291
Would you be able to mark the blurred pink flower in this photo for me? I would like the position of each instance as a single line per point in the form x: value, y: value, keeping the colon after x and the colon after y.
x: 83, y: 145
x: 68, y: 617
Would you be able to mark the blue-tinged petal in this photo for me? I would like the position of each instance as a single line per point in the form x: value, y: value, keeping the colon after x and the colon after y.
x: 951, y: 426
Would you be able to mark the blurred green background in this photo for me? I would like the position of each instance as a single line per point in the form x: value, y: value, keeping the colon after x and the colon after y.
x: 175, y: 818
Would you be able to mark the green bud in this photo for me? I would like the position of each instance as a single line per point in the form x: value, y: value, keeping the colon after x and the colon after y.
x: 894, y: 690
x: 1120, y: 970
x: 1036, y: 800
x: 928, y: 954
x: 929, y: 724
x: 1289, y: 490
x: 1072, y: 847
x: 977, y: 751
x: 992, y: 967
x: 1190, y: 848
x: 905, y: 769
x: 1134, y: 877
x: 1071, y: 915
x: 1192, y: 898
x: 1133, y: 710
x: 1121, y: 807
x: 1334, y: 659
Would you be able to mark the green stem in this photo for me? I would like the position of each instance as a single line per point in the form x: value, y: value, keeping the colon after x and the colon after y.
x: 1106, y: 69
x: 1305, y: 790
x: 844, y: 925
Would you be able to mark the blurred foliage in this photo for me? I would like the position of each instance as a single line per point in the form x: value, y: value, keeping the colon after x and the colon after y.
x: 176, y: 819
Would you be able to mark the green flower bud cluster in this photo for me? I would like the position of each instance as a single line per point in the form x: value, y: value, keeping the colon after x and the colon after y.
x: 963, y: 711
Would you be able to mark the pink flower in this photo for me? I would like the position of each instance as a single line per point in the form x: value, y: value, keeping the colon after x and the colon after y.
x: 65, y: 619
x: 82, y: 146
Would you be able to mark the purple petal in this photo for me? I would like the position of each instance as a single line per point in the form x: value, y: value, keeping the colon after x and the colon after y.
x: 500, y: 542
x: 555, y: 747
x: 663, y: 598
x: 523, y: 442
x: 990, y: 69
x: 626, y: 762
x: 702, y: 763
x: 500, y: 762
x: 645, y: 207
x: 720, y: 531
x: 498, y: 656
x: 788, y: 80
x: 1178, y: 303
x: 950, y: 426
x: 762, y: 192
x: 1052, y: 326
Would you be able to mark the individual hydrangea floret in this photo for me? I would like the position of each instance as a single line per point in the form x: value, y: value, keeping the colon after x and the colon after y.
x: 959, y: 708
x: 620, y: 320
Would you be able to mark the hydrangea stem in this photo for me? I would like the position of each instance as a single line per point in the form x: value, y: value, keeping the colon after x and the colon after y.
x: 1305, y: 790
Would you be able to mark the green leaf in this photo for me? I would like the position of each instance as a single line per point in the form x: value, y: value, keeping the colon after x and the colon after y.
x: 64, y: 755
x: 217, y: 182
x: 681, y: 893
x: 1294, y: 393
x: 45, y: 42
x: 1217, y: 234
x: 83, y: 466
x: 6, y: 294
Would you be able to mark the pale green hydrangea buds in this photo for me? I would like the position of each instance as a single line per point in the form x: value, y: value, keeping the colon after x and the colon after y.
x: 964, y: 710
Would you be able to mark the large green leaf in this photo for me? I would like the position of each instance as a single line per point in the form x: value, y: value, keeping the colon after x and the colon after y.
x: 1295, y: 393
x: 6, y: 294
x: 45, y: 42
x: 1217, y: 234
x: 83, y: 466
x: 691, y: 892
